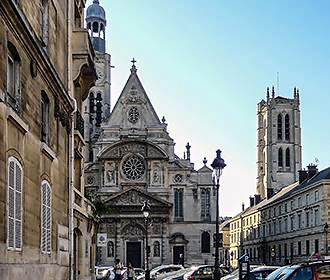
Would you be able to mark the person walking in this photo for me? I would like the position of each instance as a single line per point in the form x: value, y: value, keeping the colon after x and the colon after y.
x: 118, y: 268
x: 130, y: 272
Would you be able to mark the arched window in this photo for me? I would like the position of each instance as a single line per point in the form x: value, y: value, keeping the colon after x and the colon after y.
x: 46, y: 217
x: 178, y: 203
x: 287, y: 127
x: 45, y: 118
x: 15, y: 191
x: 280, y: 157
x: 102, y: 31
x: 13, y: 77
x: 205, y: 203
x: 44, y: 21
x: 287, y: 157
x: 206, y: 246
x: 95, y: 29
x: 156, y: 249
x: 110, y: 249
x: 279, y: 127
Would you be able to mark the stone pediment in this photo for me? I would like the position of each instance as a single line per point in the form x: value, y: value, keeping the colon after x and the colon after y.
x: 134, y: 197
x: 145, y: 149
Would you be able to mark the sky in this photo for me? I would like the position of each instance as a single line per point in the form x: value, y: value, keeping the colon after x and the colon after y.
x: 205, y: 64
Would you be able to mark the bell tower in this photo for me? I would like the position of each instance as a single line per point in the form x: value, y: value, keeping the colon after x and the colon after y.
x: 96, y: 23
x: 278, y: 142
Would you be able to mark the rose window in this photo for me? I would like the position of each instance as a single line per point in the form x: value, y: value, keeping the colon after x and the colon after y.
x: 133, y: 168
x: 133, y: 114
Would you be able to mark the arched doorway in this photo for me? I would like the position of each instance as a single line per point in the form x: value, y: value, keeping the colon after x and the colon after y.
x: 77, y: 252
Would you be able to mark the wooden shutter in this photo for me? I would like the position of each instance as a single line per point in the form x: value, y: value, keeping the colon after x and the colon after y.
x: 18, y: 207
x: 48, y: 219
x: 45, y: 218
x: 14, y: 205
x: 11, y: 205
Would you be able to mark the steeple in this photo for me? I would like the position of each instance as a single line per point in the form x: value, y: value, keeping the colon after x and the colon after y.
x: 96, y: 23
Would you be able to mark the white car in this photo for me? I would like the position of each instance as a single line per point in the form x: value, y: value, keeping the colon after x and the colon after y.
x: 101, y: 271
x: 162, y: 269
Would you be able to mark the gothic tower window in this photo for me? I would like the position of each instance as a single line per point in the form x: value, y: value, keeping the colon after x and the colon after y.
x: 156, y: 249
x: 46, y: 218
x: 287, y: 157
x: 178, y: 203
x: 287, y: 127
x: 279, y: 127
x: 45, y: 118
x: 280, y: 157
x: 110, y: 249
x: 15, y: 190
x: 206, y: 244
x: 205, y: 203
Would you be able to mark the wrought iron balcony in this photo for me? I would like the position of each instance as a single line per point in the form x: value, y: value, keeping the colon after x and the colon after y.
x: 80, y: 123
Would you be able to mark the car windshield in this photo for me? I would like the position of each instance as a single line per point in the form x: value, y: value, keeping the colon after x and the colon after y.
x: 280, y: 273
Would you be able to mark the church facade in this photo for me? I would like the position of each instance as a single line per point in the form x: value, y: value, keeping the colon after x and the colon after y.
x: 134, y: 161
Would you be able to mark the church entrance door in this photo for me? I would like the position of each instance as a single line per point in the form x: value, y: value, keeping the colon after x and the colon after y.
x: 133, y: 253
x: 178, y: 255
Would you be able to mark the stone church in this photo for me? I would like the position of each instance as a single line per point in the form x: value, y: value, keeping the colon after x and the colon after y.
x: 134, y: 161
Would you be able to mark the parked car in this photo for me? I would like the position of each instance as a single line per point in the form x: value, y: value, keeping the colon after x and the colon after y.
x: 202, y: 272
x: 177, y: 275
x: 317, y: 270
x: 162, y: 269
x: 256, y: 273
x: 274, y: 275
x: 138, y: 273
x: 101, y: 271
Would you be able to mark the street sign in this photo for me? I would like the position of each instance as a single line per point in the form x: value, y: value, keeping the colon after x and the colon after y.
x: 101, y: 240
x: 244, y: 267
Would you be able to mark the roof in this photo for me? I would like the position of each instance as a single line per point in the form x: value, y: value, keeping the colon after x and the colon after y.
x: 95, y: 11
x: 322, y: 175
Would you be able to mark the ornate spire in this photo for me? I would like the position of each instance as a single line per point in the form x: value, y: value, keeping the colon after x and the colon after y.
x: 273, y: 92
x: 205, y: 161
x: 133, y: 68
x: 267, y: 93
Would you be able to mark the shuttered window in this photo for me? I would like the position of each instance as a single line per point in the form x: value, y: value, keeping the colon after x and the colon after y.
x: 46, y: 218
x: 15, y: 175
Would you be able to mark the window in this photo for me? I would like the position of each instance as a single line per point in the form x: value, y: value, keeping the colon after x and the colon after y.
x: 307, y: 248
x: 299, y: 248
x: 299, y: 201
x: 110, y: 249
x: 287, y: 157
x: 280, y: 157
x: 316, y: 195
x: 45, y: 118
x: 286, y: 207
x: 287, y: 127
x: 205, y: 203
x: 291, y: 250
x: 279, y: 127
x: 13, y: 77
x: 156, y: 249
x: 299, y: 221
x: 46, y: 217
x: 292, y: 223
x: 307, y: 219
x: 285, y: 225
x: 178, y: 203
x: 206, y: 246
x: 292, y: 204
x: 317, y: 217
x: 44, y: 22
x: 307, y: 199
x: 15, y: 187
x: 316, y: 246
x: 285, y: 250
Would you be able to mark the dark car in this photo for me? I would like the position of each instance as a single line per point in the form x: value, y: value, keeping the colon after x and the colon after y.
x: 318, y: 270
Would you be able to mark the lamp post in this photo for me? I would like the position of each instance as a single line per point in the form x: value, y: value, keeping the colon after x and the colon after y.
x: 326, y: 229
x: 218, y: 164
x: 146, y: 212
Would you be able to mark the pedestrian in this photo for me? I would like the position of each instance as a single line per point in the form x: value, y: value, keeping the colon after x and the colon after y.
x: 118, y: 268
x: 130, y: 272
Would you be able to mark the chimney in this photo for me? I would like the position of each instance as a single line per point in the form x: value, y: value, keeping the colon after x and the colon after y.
x: 251, y: 201
x: 312, y: 170
x: 257, y: 198
x: 303, y: 175
x: 243, y: 207
x: 270, y: 192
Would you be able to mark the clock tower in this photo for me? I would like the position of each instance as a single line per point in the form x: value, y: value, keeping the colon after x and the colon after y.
x: 97, y: 106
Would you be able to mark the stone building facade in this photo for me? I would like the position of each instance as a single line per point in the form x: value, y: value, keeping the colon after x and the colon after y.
x: 278, y: 143
x: 134, y: 161
x: 39, y: 140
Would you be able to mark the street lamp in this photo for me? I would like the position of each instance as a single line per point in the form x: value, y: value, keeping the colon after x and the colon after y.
x: 326, y: 229
x: 218, y: 164
x: 146, y: 212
